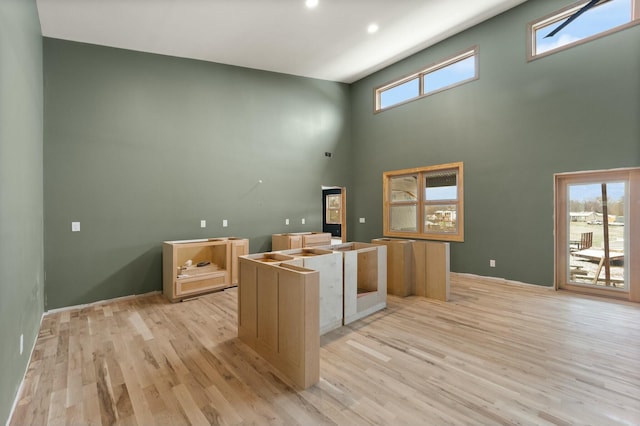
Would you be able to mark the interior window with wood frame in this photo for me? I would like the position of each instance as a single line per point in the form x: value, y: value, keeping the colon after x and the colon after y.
x: 425, y: 202
x: 579, y: 23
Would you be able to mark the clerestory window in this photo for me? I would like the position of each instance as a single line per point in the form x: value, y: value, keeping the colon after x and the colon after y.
x: 598, y: 19
x: 445, y: 74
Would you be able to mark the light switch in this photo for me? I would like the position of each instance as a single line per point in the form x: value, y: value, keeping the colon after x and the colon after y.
x: 362, y: 220
x: 303, y: 221
x: 203, y: 223
x: 225, y: 223
x: 75, y: 226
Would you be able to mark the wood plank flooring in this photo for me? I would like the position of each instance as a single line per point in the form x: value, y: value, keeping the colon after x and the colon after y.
x: 494, y: 354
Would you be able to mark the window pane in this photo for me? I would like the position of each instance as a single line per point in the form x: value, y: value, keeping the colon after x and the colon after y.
x: 404, y: 188
x: 425, y: 202
x: 586, y: 248
x: 441, y: 186
x: 333, y: 201
x: 400, y: 93
x: 334, y: 208
x: 333, y: 217
x: 596, y: 20
x: 403, y: 218
x: 441, y: 218
x: 449, y: 75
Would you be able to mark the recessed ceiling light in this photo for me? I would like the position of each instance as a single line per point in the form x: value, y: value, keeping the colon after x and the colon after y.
x: 311, y: 3
x: 372, y: 28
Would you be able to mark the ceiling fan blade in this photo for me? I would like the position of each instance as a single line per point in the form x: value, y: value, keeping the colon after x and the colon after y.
x: 571, y: 18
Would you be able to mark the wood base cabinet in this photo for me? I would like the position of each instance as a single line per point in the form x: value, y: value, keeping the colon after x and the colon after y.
x: 431, y: 268
x: 194, y: 267
x: 278, y: 315
x: 364, y: 278
x: 238, y: 247
x: 416, y: 267
x: 400, y: 277
x: 296, y: 240
x: 329, y: 264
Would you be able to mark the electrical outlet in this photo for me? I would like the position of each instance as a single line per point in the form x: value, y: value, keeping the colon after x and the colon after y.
x: 225, y: 223
x: 303, y: 221
x: 286, y: 221
x: 203, y: 223
x: 21, y: 343
x: 75, y: 226
x: 492, y: 263
x: 362, y: 220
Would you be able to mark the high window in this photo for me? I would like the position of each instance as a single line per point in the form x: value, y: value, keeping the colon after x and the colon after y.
x: 606, y: 17
x: 425, y: 202
x: 445, y: 74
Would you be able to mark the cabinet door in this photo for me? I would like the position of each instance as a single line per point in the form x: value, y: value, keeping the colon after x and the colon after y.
x: 238, y: 248
x: 247, y: 301
x: 295, y: 241
x: 267, y: 293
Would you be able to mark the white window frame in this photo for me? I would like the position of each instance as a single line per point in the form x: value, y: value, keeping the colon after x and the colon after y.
x: 420, y: 75
x: 564, y: 13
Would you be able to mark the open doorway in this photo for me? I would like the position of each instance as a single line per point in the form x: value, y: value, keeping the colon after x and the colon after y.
x: 334, y: 212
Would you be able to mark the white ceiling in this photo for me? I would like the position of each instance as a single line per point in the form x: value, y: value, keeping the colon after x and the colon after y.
x: 329, y: 42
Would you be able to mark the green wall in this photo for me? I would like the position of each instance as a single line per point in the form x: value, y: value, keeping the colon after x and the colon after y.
x: 21, y: 235
x: 514, y: 128
x: 139, y: 148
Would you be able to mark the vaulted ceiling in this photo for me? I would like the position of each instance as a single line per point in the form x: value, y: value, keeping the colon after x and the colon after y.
x: 329, y: 41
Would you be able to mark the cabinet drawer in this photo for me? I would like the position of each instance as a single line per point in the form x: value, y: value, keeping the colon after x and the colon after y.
x: 211, y: 282
x: 320, y: 239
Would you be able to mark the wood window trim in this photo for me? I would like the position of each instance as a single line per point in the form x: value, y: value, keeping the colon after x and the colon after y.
x: 458, y: 236
x: 533, y: 26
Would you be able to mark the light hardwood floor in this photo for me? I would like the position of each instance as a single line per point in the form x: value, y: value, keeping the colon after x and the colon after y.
x: 494, y: 354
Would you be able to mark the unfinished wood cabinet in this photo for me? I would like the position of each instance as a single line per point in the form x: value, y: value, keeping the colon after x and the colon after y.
x: 364, y: 278
x: 181, y: 275
x: 417, y: 267
x: 278, y: 315
x: 431, y: 266
x: 285, y: 241
x: 218, y: 259
x: 238, y: 247
x: 273, y: 258
x: 296, y: 240
x: 400, y: 276
x: 329, y: 264
x: 316, y: 239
